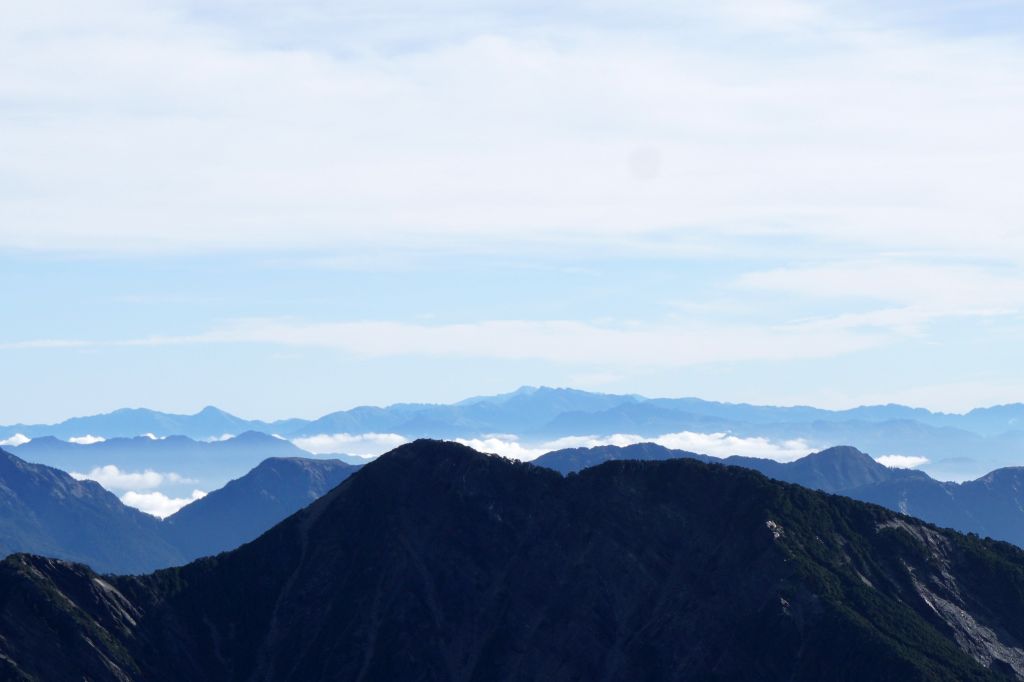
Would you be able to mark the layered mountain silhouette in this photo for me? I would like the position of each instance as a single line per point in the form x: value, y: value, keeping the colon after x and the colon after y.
x: 992, y: 505
x: 992, y: 437
x: 438, y: 563
x: 45, y: 511
x: 202, y: 464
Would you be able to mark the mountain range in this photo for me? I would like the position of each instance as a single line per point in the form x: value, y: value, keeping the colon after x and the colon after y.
x: 45, y: 511
x: 198, y: 464
x: 436, y: 562
x: 991, y: 506
x: 959, y: 446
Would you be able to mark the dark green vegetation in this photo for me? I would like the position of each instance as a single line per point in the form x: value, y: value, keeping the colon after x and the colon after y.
x: 45, y: 511
x: 438, y: 563
x: 991, y: 506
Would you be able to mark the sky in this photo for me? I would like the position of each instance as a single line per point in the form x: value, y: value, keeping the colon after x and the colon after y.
x: 290, y: 210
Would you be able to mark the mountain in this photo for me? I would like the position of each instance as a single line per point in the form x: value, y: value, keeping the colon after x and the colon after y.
x: 209, y: 422
x: 45, y: 511
x: 992, y: 505
x: 246, y: 507
x: 438, y: 563
x: 203, y: 465
x: 832, y: 470
x: 994, y: 436
x: 571, y: 460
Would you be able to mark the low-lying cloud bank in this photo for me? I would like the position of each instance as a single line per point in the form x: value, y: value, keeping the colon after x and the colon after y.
x: 87, y: 439
x: 158, y: 504
x: 112, y: 478
x: 510, y: 445
x: 363, y: 444
x: 716, y: 444
x: 902, y: 461
x: 15, y: 440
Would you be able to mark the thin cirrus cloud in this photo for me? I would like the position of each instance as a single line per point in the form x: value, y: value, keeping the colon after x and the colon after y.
x: 113, y: 478
x: 158, y: 504
x: 559, y: 341
x: 512, y: 123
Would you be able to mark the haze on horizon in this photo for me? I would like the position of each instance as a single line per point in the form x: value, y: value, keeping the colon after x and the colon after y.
x: 286, y: 211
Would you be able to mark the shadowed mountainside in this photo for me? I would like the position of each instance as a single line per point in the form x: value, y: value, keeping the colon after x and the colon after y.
x: 438, y: 563
x: 992, y: 505
x: 248, y: 506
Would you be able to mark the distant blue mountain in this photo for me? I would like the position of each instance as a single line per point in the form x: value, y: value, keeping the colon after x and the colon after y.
x: 959, y: 445
x: 45, y: 511
x: 208, y: 423
x: 207, y: 465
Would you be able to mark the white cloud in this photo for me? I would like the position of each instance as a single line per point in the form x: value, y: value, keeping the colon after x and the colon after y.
x: 86, y: 440
x: 920, y: 292
x: 15, y: 440
x: 832, y: 123
x: 622, y: 344
x: 158, y: 504
x: 153, y: 436
x: 221, y: 438
x: 902, y: 461
x: 363, y: 444
x: 504, y: 445
x: 112, y: 478
x: 715, y: 444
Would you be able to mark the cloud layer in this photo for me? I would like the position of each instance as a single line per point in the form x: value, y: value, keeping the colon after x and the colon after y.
x: 365, y: 444
x: 902, y: 461
x: 157, y: 503
x: 558, y: 124
x: 113, y: 478
x: 715, y: 444
x: 86, y: 440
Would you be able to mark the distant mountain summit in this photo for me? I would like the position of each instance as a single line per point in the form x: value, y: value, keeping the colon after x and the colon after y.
x: 438, y: 563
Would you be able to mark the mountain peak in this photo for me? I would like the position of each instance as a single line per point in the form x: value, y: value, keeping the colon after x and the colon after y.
x: 842, y: 453
x: 212, y: 411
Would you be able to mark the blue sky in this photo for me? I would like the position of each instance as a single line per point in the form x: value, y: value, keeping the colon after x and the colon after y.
x: 288, y: 211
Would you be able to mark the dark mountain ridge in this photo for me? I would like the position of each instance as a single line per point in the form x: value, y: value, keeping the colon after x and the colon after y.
x: 992, y: 505
x: 438, y: 563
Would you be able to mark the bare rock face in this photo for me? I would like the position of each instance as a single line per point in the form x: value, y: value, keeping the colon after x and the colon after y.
x: 439, y: 563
